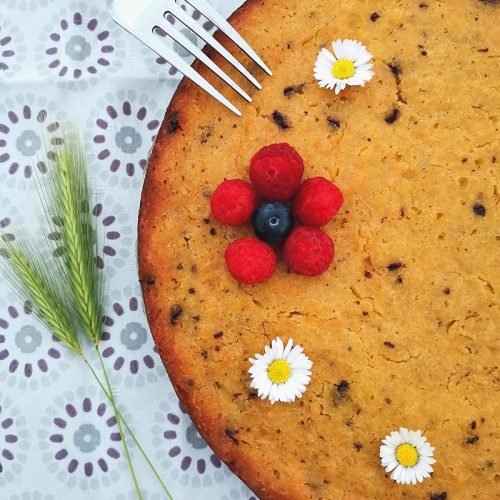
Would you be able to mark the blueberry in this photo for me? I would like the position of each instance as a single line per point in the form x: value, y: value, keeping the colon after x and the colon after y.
x: 272, y: 222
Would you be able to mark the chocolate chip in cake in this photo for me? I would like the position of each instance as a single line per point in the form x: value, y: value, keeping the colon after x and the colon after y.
x: 390, y: 345
x: 342, y: 387
x: 392, y: 116
x: 213, y: 231
x: 230, y: 435
x: 388, y: 401
x: 479, y: 209
x: 374, y: 16
x: 483, y: 50
x: 218, y: 335
x: 396, y: 70
x: 423, y: 5
x: 368, y: 274
x: 423, y: 52
x: 333, y: 122
x: 204, y: 354
x: 173, y: 124
x: 294, y: 89
x: 190, y: 382
x: 394, y: 266
x: 192, y: 291
x: 180, y: 267
x: 472, y: 440
x: 150, y: 280
x: 206, y: 221
x: 473, y: 424
x: 194, y: 268
x: 399, y: 280
x: 439, y: 496
x: 447, y: 291
x: 280, y: 120
x: 357, y: 445
x: 196, y: 318
x: 175, y: 314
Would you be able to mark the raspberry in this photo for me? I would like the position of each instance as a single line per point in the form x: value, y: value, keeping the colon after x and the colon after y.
x: 317, y: 201
x: 276, y: 172
x: 234, y: 202
x: 308, y: 251
x: 250, y: 261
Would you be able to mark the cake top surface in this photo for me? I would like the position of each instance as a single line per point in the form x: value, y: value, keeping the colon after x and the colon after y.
x: 403, y: 329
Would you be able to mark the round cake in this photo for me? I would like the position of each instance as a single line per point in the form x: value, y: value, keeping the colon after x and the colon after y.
x: 402, y: 330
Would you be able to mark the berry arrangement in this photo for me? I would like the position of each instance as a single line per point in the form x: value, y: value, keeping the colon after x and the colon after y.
x: 286, y: 214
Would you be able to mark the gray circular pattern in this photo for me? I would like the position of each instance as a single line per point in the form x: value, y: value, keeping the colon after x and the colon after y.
x: 28, y: 143
x: 194, y: 439
x: 28, y: 339
x: 77, y: 48
x: 128, y: 140
x: 134, y: 336
x: 87, y: 438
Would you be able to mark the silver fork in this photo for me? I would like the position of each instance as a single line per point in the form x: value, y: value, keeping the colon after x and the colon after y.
x: 143, y: 18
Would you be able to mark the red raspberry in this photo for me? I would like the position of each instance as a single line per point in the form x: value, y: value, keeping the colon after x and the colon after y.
x: 317, y: 201
x: 250, y: 261
x: 234, y: 202
x: 276, y: 172
x: 308, y: 251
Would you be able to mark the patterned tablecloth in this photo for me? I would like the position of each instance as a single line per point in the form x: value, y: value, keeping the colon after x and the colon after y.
x: 67, y: 60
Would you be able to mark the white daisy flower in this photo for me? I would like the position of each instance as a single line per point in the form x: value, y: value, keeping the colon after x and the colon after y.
x: 408, y: 455
x: 281, y: 373
x: 348, y: 65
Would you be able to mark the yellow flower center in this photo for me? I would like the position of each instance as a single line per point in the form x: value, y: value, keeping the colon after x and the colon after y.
x: 279, y: 371
x: 343, y: 69
x: 407, y: 455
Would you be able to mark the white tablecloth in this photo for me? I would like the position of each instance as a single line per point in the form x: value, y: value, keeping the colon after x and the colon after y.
x: 67, y: 60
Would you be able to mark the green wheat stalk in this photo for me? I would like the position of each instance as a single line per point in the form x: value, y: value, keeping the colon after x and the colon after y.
x: 33, y: 281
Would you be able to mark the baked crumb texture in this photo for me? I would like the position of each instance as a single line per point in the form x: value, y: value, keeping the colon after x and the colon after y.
x: 404, y: 329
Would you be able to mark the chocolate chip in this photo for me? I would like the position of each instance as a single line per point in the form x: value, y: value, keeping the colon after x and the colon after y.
x: 175, y: 314
x: 394, y: 266
x: 213, y: 231
x: 218, y: 335
x: 204, y: 354
x: 472, y: 440
x: 206, y: 221
x: 190, y: 382
x: 392, y: 116
x: 196, y: 318
x: 173, y: 124
x: 150, y: 280
x: 252, y: 395
x: 342, y: 387
x: 399, y: 280
x: 230, y: 435
x: 390, y: 345
x: 374, y: 16
x: 423, y: 52
x: 388, y: 401
x: 194, y: 268
x: 294, y: 89
x: 368, y: 274
x: 192, y: 291
x: 439, y: 496
x: 280, y: 120
x: 333, y: 122
x: 396, y: 70
x: 479, y: 209
x: 423, y: 5
x: 357, y: 445
x: 180, y: 267
x: 447, y: 291
x: 483, y: 50
x: 473, y: 425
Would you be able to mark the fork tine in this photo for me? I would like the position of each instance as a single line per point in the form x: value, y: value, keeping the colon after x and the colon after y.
x: 181, y: 15
x: 182, y: 40
x: 210, y: 13
x: 156, y: 44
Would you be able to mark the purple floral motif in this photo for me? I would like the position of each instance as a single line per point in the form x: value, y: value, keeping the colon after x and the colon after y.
x: 13, y: 441
x: 182, y: 450
x: 124, y: 128
x: 81, y: 440
x: 127, y: 345
x: 29, y: 356
x: 79, y: 46
x: 12, y: 49
x: 24, y: 119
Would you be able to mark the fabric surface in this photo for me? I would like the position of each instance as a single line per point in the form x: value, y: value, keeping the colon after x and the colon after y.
x: 60, y: 61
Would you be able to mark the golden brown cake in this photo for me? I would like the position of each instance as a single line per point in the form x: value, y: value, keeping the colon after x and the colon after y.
x: 403, y: 329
